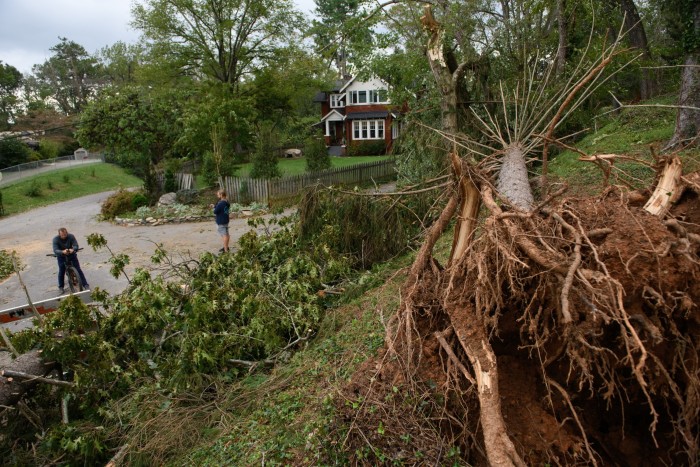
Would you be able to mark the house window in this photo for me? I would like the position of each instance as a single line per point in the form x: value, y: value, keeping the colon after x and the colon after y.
x: 358, y: 97
x: 368, y: 129
x: 337, y: 101
x: 395, y: 130
x: 378, y: 96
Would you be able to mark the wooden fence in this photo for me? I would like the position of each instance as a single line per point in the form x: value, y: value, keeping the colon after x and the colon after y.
x: 276, y: 191
x: 183, y: 181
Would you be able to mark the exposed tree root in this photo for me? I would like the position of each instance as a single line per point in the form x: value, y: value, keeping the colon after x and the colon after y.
x: 599, y: 295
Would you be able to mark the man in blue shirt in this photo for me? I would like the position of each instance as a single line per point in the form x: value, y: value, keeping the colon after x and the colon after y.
x: 221, y: 211
x: 65, y: 247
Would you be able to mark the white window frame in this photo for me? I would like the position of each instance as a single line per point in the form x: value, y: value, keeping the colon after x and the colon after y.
x: 337, y: 101
x: 368, y: 130
x: 354, y: 97
x: 375, y: 96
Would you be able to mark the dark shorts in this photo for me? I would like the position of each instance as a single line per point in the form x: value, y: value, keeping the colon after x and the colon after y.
x: 222, y: 229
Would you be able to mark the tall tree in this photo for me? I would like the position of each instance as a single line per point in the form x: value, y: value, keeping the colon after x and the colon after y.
x: 119, y: 62
x: 687, y: 128
x: 68, y: 76
x: 222, y: 39
x: 341, y: 31
x: 10, y: 84
x: 637, y: 37
x: 135, y: 123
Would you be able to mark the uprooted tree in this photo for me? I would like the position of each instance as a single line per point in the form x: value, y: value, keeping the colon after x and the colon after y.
x: 560, y: 331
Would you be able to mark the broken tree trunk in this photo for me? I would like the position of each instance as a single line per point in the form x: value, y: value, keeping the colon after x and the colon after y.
x: 513, y: 183
x: 30, y: 363
x: 668, y: 189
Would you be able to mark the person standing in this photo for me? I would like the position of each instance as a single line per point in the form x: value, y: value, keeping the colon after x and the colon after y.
x: 221, y: 211
x: 65, y: 247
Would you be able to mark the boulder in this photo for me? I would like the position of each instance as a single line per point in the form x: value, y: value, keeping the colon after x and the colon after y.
x: 167, y: 199
x: 290, y: 153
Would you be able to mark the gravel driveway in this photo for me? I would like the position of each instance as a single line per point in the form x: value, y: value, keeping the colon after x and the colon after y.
x: 30, y: 235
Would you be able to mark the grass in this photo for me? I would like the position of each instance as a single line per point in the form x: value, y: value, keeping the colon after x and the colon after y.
x: 635, y: 132
x: 290, y: 167
x: 64, y: 185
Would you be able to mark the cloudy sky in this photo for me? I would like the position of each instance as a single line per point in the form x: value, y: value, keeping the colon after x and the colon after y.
x: 29, y: 28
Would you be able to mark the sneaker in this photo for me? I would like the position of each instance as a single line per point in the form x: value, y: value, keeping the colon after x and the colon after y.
x: 86, y: 286
x: 61, y: 291
x: 221, y: 250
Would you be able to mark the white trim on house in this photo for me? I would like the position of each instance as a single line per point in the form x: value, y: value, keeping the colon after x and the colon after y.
x: 332, y: 116
x: 368, y: 129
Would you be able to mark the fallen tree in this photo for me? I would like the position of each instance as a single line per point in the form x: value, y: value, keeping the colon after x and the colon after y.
x: 565, y: 331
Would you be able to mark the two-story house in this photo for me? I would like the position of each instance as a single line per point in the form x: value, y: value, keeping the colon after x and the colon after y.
x: 357, y: 111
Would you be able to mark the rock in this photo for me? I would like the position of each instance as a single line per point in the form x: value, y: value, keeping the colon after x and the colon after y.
x: 289, y: 153
x: 167, y: 199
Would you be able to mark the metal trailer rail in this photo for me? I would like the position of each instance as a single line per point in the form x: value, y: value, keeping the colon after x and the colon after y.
x: 42, y: 307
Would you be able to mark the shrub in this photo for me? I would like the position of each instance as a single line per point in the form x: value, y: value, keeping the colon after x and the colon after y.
x: 138, y: 200
x: 316, y: 153
x: 48, y: 149
x: 264, y: 157
x: 121, y: 202
x: 170, y: 184
x: 66, y: 178
x: 12, y: 152
x: 187, y: 196
x: 33, y: 190
x: 366, y: 148
x: 6, y: 266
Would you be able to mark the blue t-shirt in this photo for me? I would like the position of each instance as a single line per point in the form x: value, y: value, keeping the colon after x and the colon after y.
x: 221, y: 211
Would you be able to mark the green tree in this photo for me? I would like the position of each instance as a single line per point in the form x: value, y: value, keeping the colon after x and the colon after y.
x: 10, y: 84
x: 264, y: 157
x: 222, y: 39
x: 138, y: 125
x: 341, y: 32
x: 68, y: 77
x: 12, y: 152
x: 119, y: 62
x: 316, y: 153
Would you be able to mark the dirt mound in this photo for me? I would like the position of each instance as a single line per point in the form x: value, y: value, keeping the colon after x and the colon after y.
x: 591, y: 311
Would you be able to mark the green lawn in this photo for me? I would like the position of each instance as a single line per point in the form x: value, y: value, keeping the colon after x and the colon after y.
x: 63, y: 185
x: 290, y: 167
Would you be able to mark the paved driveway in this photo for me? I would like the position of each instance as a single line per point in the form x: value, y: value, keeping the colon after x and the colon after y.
x: 30, y: 235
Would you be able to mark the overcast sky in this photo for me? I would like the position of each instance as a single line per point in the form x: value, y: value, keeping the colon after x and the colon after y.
x: 29, y: 28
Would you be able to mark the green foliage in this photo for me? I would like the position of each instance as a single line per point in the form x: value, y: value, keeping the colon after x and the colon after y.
x: 265, y: 157
x: 12, y: 152
x: 65, y: 76
x: 366, y: 148
x: 49, y: 149
x: 316, y: 153
x: 140, y: 125
x: 121, y: 202
x: 386, y: 230
x: 10, y: 83
x: 7, y: 268
x: 33, y: 190
x: 419, y: 154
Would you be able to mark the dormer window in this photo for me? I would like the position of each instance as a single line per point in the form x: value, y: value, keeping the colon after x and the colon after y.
x: 337, y: 101
x: 378, y: 96
x: 358, y: 97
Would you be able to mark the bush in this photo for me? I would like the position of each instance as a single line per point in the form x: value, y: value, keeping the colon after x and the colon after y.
x: 6, y: 266
x: 33, y: 190
x: 138, y: 200
x: 316, y: 153
x: 366, y: 148
x: 12, y: 152
x: 48, y: 149
x: 121, y: 202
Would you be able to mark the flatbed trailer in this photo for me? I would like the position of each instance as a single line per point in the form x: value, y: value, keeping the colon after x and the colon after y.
x: 42, y: 307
